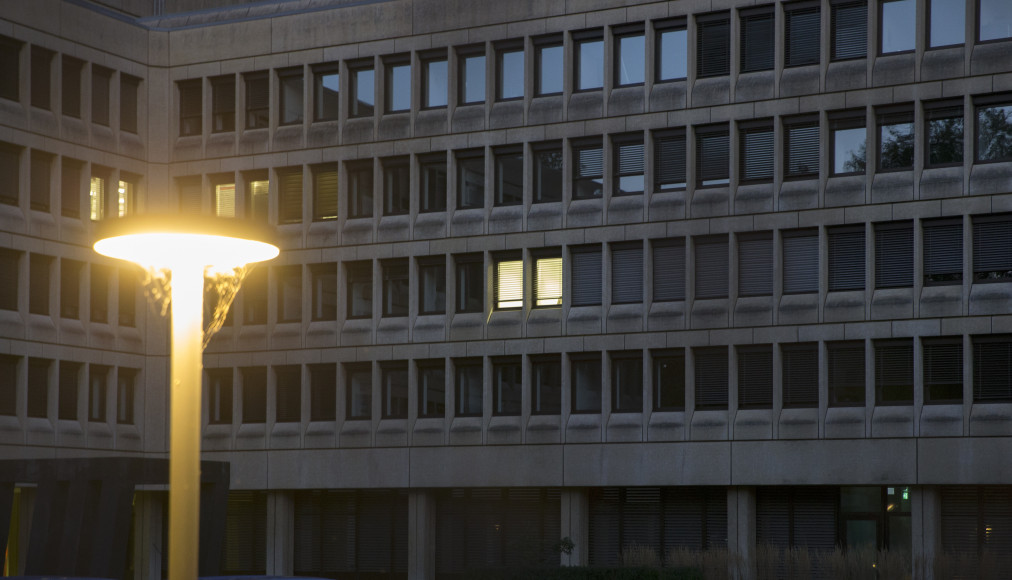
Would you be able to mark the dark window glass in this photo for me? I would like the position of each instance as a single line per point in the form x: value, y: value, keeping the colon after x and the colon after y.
x: 396, y: 186
x: 711, y: 267
x: 470, y: 282
x: 894, y: 255
x: 254, y: 394
x: 756, y: 155
x: 548, y: 59
x: 992, y: 248
x: 38, y: 386
x: 943, y: 124
x: 98, y: 387
x: 288, y: 393
x: 672, y: 53
x: 588, y: 171
x: 947, y: 22
x: 398, y: 87
x: 711, y: 378
x: 38, y: 283
x: 846, y: 373
x: 589, y: 64
x: 128, y: 94
x: 434, y: 83
x: 433, y: 186
x: 363, y: 92
x: 943, y: 370
x: 800, y: 366
x: 9, y: 385
x: 713, y: 155
x: 755, y: 377
x: 801, y: 34
x: 223, y: 104
x: 290, y: 195
x: 629, y: 168
x: 190, y: 107
x: 100, y: 79
x: 358, y: 386
x: 802, y: 148
x: 324, y: 281
x: 586, y: 383
x: 894, y: 372
x: 992, y: 368
x: 586, y: 265
x: 547, y: 174
x: 41, y: 179
x: 290, y: 97
x: 507, y: 386
x: 943, y: 251
x: 70, y: 373
x: 847, y: 139
x: 627, y: 273
x: 511, y: 74
x: 469, y: 386
x: 99, y: 293
x: 432, y: 287
x: 896, y: 140
x: 755, y: 264
x: 254, y: 297
x: 630, y: 60
x: 327, y: 93
x: 669, y: 161
x: 394, y: 394
x: 359, y: 289
x: 669, y: 270
x: 70, y: 288
x: 360, y: 189
x: 127, y: 297
x: 219, y: 396
x: 669, y: 380
x: 627, y: 382
x: 395, y: 287
x: 846, y: 258
x: 471, y: 179
x: 289, y: 279
x: 712, y: 45
x: 42, y: 64
x: 325, y: 191
x: 546, y: 385
x: 10, y: 64
x: 258, y: 103
x: 322, y: 392
x: 472, y: 78
x: 431, y: 388
x: 994, y: 132
x: 70, y: 186
x: 256, y: 194
x: 509, y: 177
x: 757, y: 39
x: 71, y: 86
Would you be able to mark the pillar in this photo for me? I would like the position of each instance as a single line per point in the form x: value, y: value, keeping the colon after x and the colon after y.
x: 741, y: 515
x: 280, y: 533
x: 575, y: 520
x: 925, y: 523
x: 421, y: 535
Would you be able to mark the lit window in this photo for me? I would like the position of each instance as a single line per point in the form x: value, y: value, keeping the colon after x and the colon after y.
x: 948, y: 22
x: 256, y: 199
x: 127, y: 198
x: 509, y: 284
x: 224, y: 200
x: 548, y: 281
x: 96, y: 197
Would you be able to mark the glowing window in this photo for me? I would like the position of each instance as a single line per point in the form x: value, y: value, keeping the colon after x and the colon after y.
x: 548, y: 282
x: 509, y: 284
x: 126, y: 198
x: 224, y: 200
x: 96, y: 198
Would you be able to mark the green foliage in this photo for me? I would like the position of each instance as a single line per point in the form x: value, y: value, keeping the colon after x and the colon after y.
x: 586, y: 573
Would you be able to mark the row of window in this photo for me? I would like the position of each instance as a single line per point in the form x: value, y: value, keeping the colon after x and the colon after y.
x: 630, y: 43
x: 102, y: 383
x: 44, y: 68
x: 621, y: 380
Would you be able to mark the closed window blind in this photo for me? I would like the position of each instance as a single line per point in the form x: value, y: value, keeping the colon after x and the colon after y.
x: 627, y: 274
x: 669, y: 270
x: 894, y: 255
x: 943, y: 251
x: 711, y: 267
x: 325, y: 193
x: 802, y: 150
x: 992, y: 368
x: 992, y: 248
x: 846, y: 373
x: 894, y: 372
x: 756, y: 153
x: 849, y: 30
x: 509, y: 284
x: 245, y: 546
x: 586, y: 277
x: 712, y: 156
x: 755, y: 265
x: 290, y: 196
x: 846, y: 258
x: 800, y: 366
x: 630, y: 158
x: 797, y: 517
x: 943, y: 369
x: 801, y: 29
x: 757, y: 40
x: 190, y: 198
x: 712, y: 45
x: 974, y: 522
x: 755, y: 377
x: 669, y: 162
x: 589, y: 163
x: 548, y: 281
x: 711, y: 378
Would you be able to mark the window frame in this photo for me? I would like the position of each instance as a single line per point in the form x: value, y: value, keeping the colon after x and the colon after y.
x: 881, y: 31
x: 465, y: 54
x: 389, y: 386
x: 426, y: 84
x: 578, y: 176
x: 256, y: 100
x: 800, y: 8
x: 285, y: 76
x: 463, y: 263
x: 937, y: 111
x: 752, y: 15
x: 361, y: 194
x: 437, y: 263
x: 801, y: 122
x: 395, y: 276
x: 514, y: 258
x: 991, y: 101
x: 515, y: 365
x: 391, y: 64
x: 352, y: 371
x: 320, y: 109
x: 501, y: 50
x: 396, y: 185
x: 662, y: 27
x: 713, y: 20
x: 699, y: 262
x: 715, y: 131
x: 618, y: 143
x: 928, y: 343
x: 927, y: 32
x: 835, y: 399
x: 461, y: 366
x: 589, y: 359
x: 359, y: 272
x: 501, y: 175
x: 129, y: 101
x: 427, y: 163
x: 190, y: 112
x: 461, y: 158
x: 844, y: 121
x: 834, y: 6
x: 635, y: 402
x: 888, y: 117
x: 619, y: 33
x: 539, y: 181
x: 754, y: 127
x: 540, y: 45
x: 355, y: 111
x: 423, y: 366
x: 538, y: 362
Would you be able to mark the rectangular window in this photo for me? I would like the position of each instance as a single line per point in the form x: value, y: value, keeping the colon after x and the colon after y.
x: 801, y: 261
x: 70, y: 373
x: 847, y: 141
x: 191, y: 107
x: 100, y: 79
x: 70, y: 187
x: 290, y: 195
x: 995, y: 20
x: 586, y: 273
x: 224, y: 195
x: 509, y: 282
x: 549, y: 67
x: 127, y: 298
x: 548, y: 281
x: 672, y: 57
x: 398, y: 85
x: 896, y: 33
x: 322, y: 392
x: 360, y: 189
x: 546, y: 384
x: 40, y: 187
x: 757, y: 39
x: 254, y: 297
x: 848, y: 26
x: 258, y: 100
x: 943, y: 370
x: 943, y: 125
x: 219, y: 396
x: 800, y: 374
x: 10, y: 174
x: 472, y: 76
x: 432, y: 286
x: 895, y: 138
x: 755, y: 377
x: 711, y: 378
x: 288, y: 393
x: 396, y: 185
x: 434, y: 83
x: 992, y: 240
x: 588, y: 170
x: 9, y: 261
x: 38, y: 386
x: 630, y: 58
x: 289, y: 280
x: 257, y: 188
x: 801, y: 147
x: 126, y: 199
x: 70, y: 288
x: 509, y: 176
x: 894, y: 255
x: 223, y: 104
x: 470, y: 283
x: 39, y: 267
x: 994, y: 131
x: 755, y: 140
x: 431, y: 388
x: 992, y: 368
x: 42, y: 64
x: 99, y: 293
x: 359, y: 276
x: 358, y: 386
x: 97, y: 194
x: 586, y: 383
x: 363, y: 90
x: 326, y: 93
x: 10, y: 64
x: 943, y: 251
x: 846, y: 373
x: 711, y: 267
x: 801, y: 34
x: 628, y: 166
x: 98, y: 386
x: 713, y: 146
x: 713, y: 54
x: 669, y: 160
x: 669, y: 270
x: 669, y: 380
x: 510, y: 80
x: 947, y: 23
x: 469, y: 386
x: 325, y: 192
x: 394, y: 393
x: 432, y: 172
x: 627, y: 382
x: 627, y: 273
x: 846, y: 258
x: 324, y: 281
x: 548, y: 173
x: 254, y: 394
x: 894, y: 371
x: 395, y: 287
x: 125, y: 379
x: 755, y: 264
x: 71, y: 86
x: 507, y: 385
x: 471, y: 179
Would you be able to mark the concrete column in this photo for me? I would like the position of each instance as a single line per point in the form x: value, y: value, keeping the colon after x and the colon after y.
x: 575, y: 519
x: 149, y: 511
x: 421, y: 535
x: 280, y: 533
x: 925, y: 521
x: 741, y: 513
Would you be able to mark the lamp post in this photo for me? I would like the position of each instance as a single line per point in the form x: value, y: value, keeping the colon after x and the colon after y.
x: 186, y: 246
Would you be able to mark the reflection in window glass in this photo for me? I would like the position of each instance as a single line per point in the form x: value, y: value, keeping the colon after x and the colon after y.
x: 469, y: 390
x: 995, y: 19
x: 328, y: 92
x: 631, y: 52
x: 471, y: 181
x: 511, y: 75
x: 547, y: 175
x: 96, y: 198
x: 435, y: 83
x: 672, y: 59
x: 590, y: 55
x: 896, y: 144
x: 586, y: 381
x: 399, y: 88
x: 848, y: 150
x: 364, y: 93
x: 897, y: 25
x: 948, y: 22
x: 945, y: 135
x: 549, y: 70
x: 473, y: 87
x: 291, y: 98
x: 509, y: 176
x: 256, y: 201
x: 994, y: 133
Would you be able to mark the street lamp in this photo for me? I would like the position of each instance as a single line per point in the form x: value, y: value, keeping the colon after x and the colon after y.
x: 187, y: 247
